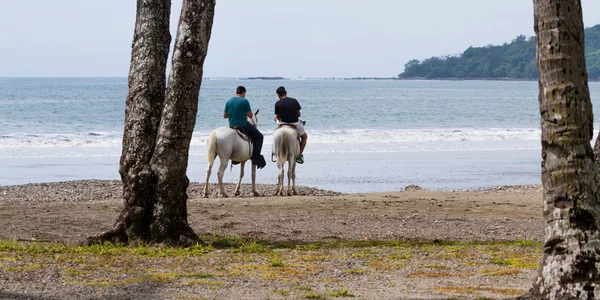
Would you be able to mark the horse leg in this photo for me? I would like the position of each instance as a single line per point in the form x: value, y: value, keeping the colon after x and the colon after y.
x: 237, y: 188
x: 291, y: 160
x: 254, y: 192
x: 220, y: 174
x: 280, y: 177
x: 293, y: 168
x: 208, y: 171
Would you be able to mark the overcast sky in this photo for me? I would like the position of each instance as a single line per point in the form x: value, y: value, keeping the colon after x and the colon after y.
x: 291, y: 38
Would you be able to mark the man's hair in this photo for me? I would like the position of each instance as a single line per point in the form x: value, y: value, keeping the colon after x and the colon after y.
x: 240, y: 90
x: 281, y: 91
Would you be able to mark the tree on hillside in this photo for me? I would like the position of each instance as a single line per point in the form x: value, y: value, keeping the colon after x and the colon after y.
x: 571, y: 256
x: 159, y: 121
x: 510, y: 60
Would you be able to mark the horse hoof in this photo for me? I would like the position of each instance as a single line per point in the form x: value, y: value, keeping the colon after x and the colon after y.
x: 294, y: 193
x: 256, y: 194
x: 205, y: 196
x: 224, y: 196
x: 237, y: 194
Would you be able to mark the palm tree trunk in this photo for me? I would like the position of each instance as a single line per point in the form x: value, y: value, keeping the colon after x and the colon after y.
x: 571, y: 257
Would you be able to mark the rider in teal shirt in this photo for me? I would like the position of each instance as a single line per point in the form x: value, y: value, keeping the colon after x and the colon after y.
x: 237, y: 109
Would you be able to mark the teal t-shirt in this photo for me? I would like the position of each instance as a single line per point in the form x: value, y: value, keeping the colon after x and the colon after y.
x: 236, y: 109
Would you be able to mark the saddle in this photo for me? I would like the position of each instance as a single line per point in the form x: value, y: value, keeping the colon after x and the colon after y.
x: 294, y: 127
x: 243, y: 134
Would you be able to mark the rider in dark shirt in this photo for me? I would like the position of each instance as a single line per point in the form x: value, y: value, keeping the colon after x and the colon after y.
x: 287, y: 111
x: 237, y: 109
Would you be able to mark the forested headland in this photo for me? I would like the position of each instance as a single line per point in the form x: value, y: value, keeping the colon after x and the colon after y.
x: 514, y: 60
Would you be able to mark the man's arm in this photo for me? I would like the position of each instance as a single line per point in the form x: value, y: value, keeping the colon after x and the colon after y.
x: 299, y: 108
x: 248, y: 110
x: 225, y: 115
x: 277, y: 118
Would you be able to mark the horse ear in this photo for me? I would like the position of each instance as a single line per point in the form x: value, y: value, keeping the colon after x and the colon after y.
x: 256, y: 113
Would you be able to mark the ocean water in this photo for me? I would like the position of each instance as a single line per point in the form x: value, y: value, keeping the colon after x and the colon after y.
x: 363, y: 135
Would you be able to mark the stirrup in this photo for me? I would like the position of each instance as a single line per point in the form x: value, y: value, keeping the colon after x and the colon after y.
x: 300, y: 159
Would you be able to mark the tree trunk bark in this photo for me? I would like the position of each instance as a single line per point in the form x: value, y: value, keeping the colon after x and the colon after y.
x: 159, y: 124
x: 571, y: 258
x: 597, y: 150
x: 170, y: 158
x: 150, y: 51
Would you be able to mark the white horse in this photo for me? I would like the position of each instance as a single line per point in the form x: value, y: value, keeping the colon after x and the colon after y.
x: 286, y: 148
x: 228, y: 145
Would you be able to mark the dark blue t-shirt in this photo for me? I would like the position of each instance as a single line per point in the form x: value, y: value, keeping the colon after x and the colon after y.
x: 287, y: 109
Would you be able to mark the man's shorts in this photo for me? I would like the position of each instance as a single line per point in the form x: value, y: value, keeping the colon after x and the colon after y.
x: 298, y: 125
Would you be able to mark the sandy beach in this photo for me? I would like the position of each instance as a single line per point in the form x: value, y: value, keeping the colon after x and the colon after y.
x: 68, y: 212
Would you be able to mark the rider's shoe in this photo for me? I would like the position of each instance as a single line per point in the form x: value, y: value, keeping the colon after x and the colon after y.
x: 300, y: 159
x: 259, y: 162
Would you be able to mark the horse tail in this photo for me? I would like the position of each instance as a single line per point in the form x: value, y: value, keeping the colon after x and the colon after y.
x: 211, y: 152
x: 283, y: 146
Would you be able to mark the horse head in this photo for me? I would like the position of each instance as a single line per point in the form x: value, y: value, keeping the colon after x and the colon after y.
x: 254, y: 119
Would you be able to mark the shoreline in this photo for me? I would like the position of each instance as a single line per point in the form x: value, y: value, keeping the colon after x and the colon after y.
x: 72, y: 187
x: 359, y: 172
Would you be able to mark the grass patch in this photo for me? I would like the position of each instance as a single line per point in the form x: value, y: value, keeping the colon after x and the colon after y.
x: 25, y: 269
x: 355, y: 271
x: 282, y: 292
x: 500, y: 262
x: 526, y: 243
x: 232, y: 242
x: 498, y: 272
x: 107, y: 249
x: 341, y: 294
x: 472, y: 289
x: 517, y: 261
x: 369, y: 253
x: 399, y: 256
x: 105, y: 282
x: 430, y: 274
x: 199, y: 276
x: 315, y: 296
x: 224, y: 242
x: 314, y: 257
x: 228, y: 260
x: 277, y: 262
x: 253, y: 247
